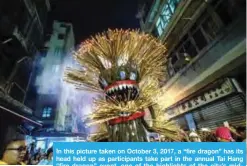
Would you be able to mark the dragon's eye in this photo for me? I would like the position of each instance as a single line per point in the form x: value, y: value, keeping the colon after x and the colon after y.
x: 133, y: 76
x: 122, y: 75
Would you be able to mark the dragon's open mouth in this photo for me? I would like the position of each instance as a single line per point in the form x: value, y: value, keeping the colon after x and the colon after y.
x: 122, y: 90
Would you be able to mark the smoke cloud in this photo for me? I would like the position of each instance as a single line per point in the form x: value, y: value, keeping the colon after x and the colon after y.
x: 73, y: 105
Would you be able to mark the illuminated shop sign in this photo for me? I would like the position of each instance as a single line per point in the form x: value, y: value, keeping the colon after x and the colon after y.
x: 224, y: 89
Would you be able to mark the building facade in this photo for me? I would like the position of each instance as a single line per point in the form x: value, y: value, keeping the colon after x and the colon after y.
x: 21, y: 35
x: 49, y: 78
x: 205, y: 62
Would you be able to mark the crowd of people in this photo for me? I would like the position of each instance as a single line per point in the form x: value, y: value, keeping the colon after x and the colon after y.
x: 37, y: 157
x: 220, y: 134
x: 14, y: 151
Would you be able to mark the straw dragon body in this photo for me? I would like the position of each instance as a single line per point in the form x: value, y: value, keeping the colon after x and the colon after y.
x: 125, y: 67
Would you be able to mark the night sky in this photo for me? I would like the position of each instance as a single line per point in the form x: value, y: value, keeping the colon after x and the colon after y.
x: 89, y: 16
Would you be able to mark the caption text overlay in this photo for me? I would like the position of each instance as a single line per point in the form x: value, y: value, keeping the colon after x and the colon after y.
x: 149, y: 154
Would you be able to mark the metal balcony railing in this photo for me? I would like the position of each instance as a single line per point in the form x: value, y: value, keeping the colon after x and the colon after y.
x: 16, y: 92
x: 12, y: 83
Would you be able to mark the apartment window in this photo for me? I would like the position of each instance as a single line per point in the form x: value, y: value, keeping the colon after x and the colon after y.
x: 166, y: 14
x: 211, y: 28
x: 68, y: 29
x: 61, y: 36
x: 47, y: 112
x: 63, y: 25
x: 182, y: 41
x: 174, y: 58
x: 199, y: 39
x: 226, y: 11
x: 186, y: 46
x: 190, y: 48
x: 160, y: 26
x: 164, y: 19
x: 173, y: 4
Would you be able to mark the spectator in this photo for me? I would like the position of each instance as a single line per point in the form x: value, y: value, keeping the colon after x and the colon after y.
x: 241, y: 134
x: 194, y: 137
x: 13, y: 151
x: 49, y: 158
x: 151, y: 139
x: 223, y: 134
x: 162, y: 138
x: 34, y: 159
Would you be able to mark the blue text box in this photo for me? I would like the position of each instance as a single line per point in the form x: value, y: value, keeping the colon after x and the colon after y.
x: 149, y: 154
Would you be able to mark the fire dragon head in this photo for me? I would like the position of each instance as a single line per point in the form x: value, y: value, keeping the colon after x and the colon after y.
x: 126, y: 68
x: 120, y: 83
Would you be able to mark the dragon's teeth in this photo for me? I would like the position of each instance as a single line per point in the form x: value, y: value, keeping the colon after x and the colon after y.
x: 115, y: 88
